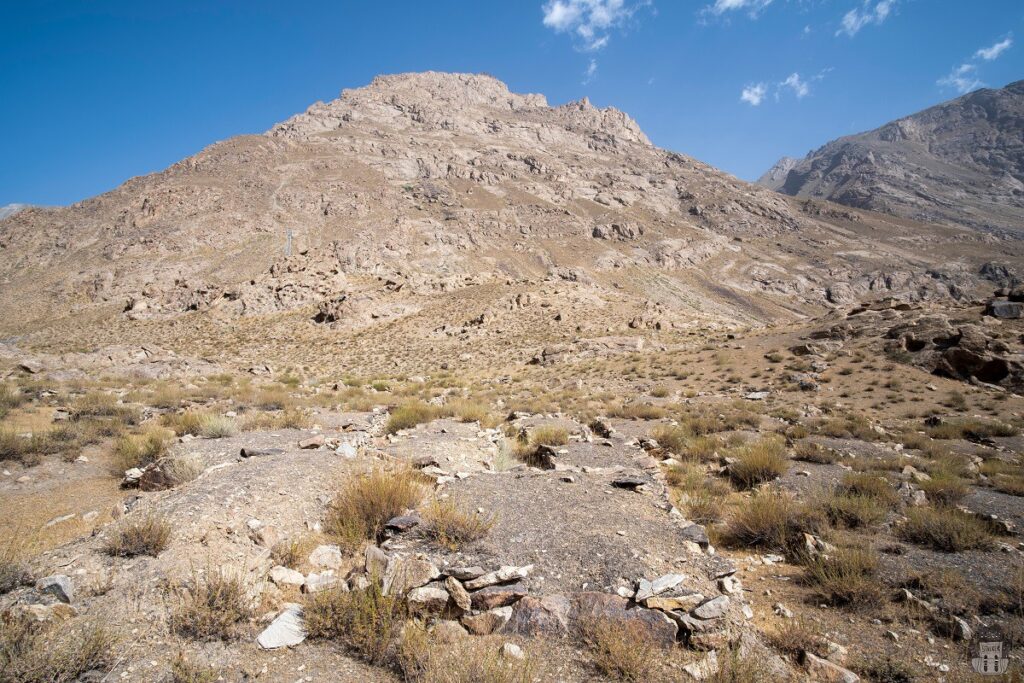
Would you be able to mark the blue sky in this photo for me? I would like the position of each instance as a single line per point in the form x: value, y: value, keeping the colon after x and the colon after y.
x: 96, y: 92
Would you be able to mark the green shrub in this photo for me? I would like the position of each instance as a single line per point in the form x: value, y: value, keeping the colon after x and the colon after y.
x: 366, y: 622
x: 945, y: 529
x: 759, y: 462
x: 846, y: 577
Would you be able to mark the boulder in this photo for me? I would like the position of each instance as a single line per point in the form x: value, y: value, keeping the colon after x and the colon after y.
x: 591, y: 607
x: 534, y: 616
x: 503, y: 575
x: 430, y: 598
x: 819, y: 669
x: 498, y: 596
x: 460, y: 596
x: 1006, y: 310
x: 326, y: 557
x: 486, y: 623
x: 285, y: 631
x: 285, y: 577
x: 405, y: 573
x: 58, y: 586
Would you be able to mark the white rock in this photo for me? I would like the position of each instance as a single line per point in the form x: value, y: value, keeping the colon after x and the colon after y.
x: 285, y: 631
x: 326, y: 557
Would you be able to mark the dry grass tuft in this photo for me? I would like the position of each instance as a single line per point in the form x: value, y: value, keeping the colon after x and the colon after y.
x: 212, y: 608
x: 34, y: 652
x: 549, y: 435
x: 185, y: 671
x: 759, y: 462
x: 139, y: 450
x: 410, y: 414
x: 366, y: 622
x: 945, y: 529
x: 972, y: 429
x: 774, y: 520
x: 426, y: 658
x: 146, y: 536
x: 621, y: 649
x: 846, y: 577
x: 365, y: 503
x: 13, y: 571
x: 452, y: 526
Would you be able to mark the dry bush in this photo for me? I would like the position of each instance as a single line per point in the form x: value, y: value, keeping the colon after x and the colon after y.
x: 365, y: 503
x: 292, y: 552
x: 944, y: 488
x: 452, y: 526
x: 14, y: 573
x: 34, y: 652
x: 217, y: 427
x: 853, y: 511
x: 621, y: 648
x: 145, y: 536
x: 773, y: 520
x: 886, y: 669
x: 736, y: 667
x: 808, y: 451
x: 846, y: 577
x: 410, y: 414
x: 14, y: 446
x: 759, y: 462
x: 185, y: 671
x: 849, y: 427
x: 273, y: 398
x: 637, y: 411
x: 425, y: 658
x: 796, y: 636
x: 972, y: 428
x: 701, y: 497
x: 549, y: 435
x: 870, y: 486
x: 671, y: 437
x: 166, y: 396
x: 139, y: 450
x: 105, y: 406
x: 950, y: 587
x: 10, y: 399
x: 186, y: 422
x: 292, y: 418
x: 366, y: 622
x: 1005, y: 477
x: 212, y: 607
x: 945, y: 529
x: 466, y: 410
x: 181, y: 469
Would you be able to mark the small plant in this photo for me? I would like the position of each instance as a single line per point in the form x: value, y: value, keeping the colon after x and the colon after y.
x: 13, y: 571
x: 409, y: 415
x: 971, y: 429
x: 846, y: 577
x: 452, y: 526
x: 773, y: 519
x: 34, y: 652
x: 425, y: 658
x: 886, y: 669
x: 637, y: 411
x: 367, y: 622
x: 139, y: 450
x: 185, y: 671
x: 795, y: 637
x: 549, y: 435
x: 212, y: 607
x: 759, y: 462
x: 853, y: 511
x: 471, y: 411
x: 621, y: 648
x: 365, y: 503
x: 145, y: 536
x: 291, y: 552
x: 944, y: 488
x: 945, y: 529
x: 808, y: 451
x: 217, y: 427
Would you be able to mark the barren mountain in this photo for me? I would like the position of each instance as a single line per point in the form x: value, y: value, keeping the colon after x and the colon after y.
x: 958, y: 163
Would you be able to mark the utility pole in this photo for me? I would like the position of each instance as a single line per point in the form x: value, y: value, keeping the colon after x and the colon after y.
x: 288, y: 244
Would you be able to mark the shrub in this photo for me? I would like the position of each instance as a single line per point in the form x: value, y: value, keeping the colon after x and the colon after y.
x: 794, y: 637
x: 291, y: 552
x: 212, y: 607
x: 218, y: 427
x: 34, y: 652
x: 186, y: 422
x: 9, y: 399
x: 452, y: 526
x: 466, y: 410
x: 637, y: 411
x: 549, y: 435
x: 146, y: 536
x: 13, y: 572
x: 773, y: 520
x: 273, y: 398
x: 759, y: 462
x: 971, y: 429
x: 410, y: 414
x: 871, y: 486
x: 182, y: 468
x: 852, y: 511
x: 621, y: 648
x: 671, y: 437
x: 946, y: 529
x: 425, y: 658
x: 139, y: 450
x: 846, y: 577
x: 809, y: 451
x: 886, y: 669
x: 366, y: 622
x: 293, y: 418
x: 106, y: 406
x: 361, y: 508
x: 185, y: 671
x: 944, y: 488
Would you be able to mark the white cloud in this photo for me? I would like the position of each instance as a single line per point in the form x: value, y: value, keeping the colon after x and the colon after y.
x: 753, y: 7
x: 591, y: 72
x: 993, y: 52
x: 859, y: 17
x: 963, y: 79
x: 754, y: 94
x: 798, y: 85
x: 589, y: 20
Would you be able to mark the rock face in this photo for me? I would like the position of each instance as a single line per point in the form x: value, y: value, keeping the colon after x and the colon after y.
x: 958, y: 163
x: 366, y: 209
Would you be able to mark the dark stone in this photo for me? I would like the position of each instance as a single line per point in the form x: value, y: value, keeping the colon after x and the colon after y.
x: 1005, y: 310
x: 498, y: 596
x: 535, y: 616
x: 256, y: 452
x: 591, y: 607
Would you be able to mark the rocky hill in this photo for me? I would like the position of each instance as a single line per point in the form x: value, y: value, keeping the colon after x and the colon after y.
x: 958, y: 163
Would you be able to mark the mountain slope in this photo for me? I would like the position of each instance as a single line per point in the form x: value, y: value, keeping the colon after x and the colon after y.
x: 409, y: 197
x: 958, y: 163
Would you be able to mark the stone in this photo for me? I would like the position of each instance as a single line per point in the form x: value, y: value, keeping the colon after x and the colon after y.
x: 503, y: 575
x: 674, y: 602
x: 403, y: 523
x: 629, y: 483
x: 823, y: 670
x: 131, y: 478
x: 589, y: 607
x: 375, y: 561
x: 259, y: 452
x: 715, y: 608
x: 405, y: 573
x: 757, y: 395
x: 58, y: 586
x: 430, y: 598
x: 782, y: 611
x: 534, y: 616
x: 960, y: 629
x: 512, y: 651
x: 697, y: 534
x: 704, y: 668
x: 448, y: 631
x: 323, y: 581
x: 466, y: 573
x: 326, y: 557
x: 488, y: 622
x: 285, y: 631
x: 498, y: 596
x: 313, y: 442
x: 1006, y: 310
x: 285, y: 577
x: 730, y: 585
x: 460, y: 596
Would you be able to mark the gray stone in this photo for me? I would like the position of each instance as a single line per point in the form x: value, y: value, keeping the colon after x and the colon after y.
x: 58, y: 586
x: 486, y: 623
x: 430, y: 598
x: 534, y: 616
x: 824, y: 670
x: 503, y: 575
x: 715, y: 608
x: 283, y: 576
x: 460, y: 596
x: 326, y: 557
x: 498, y: 596
x: 405, y: 573
x: 704, y: 668
x: 323, y: 581
x: 285, y: 631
